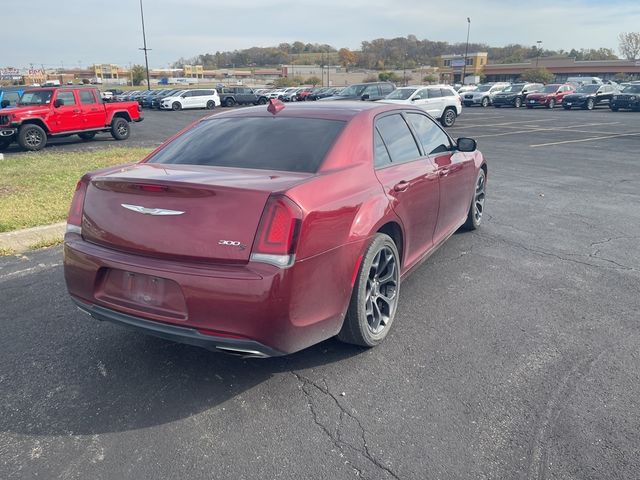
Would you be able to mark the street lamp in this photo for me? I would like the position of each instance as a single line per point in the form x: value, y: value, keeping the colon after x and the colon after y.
x: 144, y: 40
x: 466, y: 50
x: 538, y: 50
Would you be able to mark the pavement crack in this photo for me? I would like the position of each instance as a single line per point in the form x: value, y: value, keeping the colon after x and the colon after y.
x: 564, y: 257
x: 336, y: 437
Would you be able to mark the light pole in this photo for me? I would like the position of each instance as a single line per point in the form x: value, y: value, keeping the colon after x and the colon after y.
x: 538, y: 50
x: 466, y: 50
x: 144, y: 41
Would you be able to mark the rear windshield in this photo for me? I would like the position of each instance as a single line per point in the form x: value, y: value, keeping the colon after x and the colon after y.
x: 267, y: 143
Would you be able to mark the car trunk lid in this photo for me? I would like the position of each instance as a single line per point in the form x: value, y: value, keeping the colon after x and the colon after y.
x: 181, y: 211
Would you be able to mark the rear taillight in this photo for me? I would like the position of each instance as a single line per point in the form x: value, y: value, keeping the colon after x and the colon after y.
x: 277, y: 236
x: 74, y: 222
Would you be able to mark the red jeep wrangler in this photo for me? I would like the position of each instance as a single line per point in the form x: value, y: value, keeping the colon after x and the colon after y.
x: 61, y: 112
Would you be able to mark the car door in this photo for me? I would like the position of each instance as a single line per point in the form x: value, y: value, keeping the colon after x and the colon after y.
x: 420, y: 99
x: 563, y: 91
x: 410, y: 182
x: 187, y: 99
x: 66, y: 117
x: 371, y: 92
x: 456, y: 174
x: 435, y: 102
x: 93, y: 112
x: 604, y: 95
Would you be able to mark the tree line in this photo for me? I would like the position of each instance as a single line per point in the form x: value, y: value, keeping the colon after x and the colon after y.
x: 395, y: 53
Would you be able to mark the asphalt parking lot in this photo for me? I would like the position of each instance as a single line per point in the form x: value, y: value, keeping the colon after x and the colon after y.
x: 514, y: 354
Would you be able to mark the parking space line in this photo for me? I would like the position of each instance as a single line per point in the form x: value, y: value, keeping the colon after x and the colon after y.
x: 507, y: 123
x: 586, y: 139
x: 532, y: 130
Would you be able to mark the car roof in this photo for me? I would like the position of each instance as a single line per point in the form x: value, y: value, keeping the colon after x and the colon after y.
x: 330, y: 110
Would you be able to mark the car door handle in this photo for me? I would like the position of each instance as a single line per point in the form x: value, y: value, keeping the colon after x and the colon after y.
x: 94, y: 109
x: 401, y: 186
x: 75, y: 110
x: 443, y: 172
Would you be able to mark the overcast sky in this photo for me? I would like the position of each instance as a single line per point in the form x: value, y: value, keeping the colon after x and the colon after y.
x: 83, y: 32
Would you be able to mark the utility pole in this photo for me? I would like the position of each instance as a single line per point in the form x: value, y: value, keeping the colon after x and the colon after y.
x: 538, y: 51
x: 466, y: 51
x: 144, y: 40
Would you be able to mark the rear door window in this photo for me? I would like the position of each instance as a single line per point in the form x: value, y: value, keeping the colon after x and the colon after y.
x: 398, y: 138
x: 268, y: 143
x: 434, y: 92
x: 67, y: 97
x: 86, y: 97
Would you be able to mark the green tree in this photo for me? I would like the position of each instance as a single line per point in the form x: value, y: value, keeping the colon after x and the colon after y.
x: 429, y: 79
x: 389, y: 77
x: 537, y: 75
x: 312, y: 81
x: 138, y: 74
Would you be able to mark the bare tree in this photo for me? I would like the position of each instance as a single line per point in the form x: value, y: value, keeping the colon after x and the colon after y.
x: 630, y: 45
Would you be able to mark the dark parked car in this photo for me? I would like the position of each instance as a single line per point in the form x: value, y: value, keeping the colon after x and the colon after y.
x: 515, y: 94
x: 589, y: 96
x: 363, y: 91
x: 277, y: 245
x: 323, y: 92
x: 629, y: 98
x: 230, y: 96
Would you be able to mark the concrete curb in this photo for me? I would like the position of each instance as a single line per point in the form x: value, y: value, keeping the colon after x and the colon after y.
x: 22, y: 240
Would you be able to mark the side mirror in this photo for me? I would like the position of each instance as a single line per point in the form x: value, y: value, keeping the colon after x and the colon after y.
x: 366, y: 96
x: 58, y: 103
x: 5, y: 103
x: 466, y: 144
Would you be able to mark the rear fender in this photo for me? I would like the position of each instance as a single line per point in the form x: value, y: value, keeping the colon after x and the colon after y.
x: 119, y: 113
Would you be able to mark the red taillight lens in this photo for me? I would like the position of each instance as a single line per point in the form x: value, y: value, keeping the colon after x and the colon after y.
x: 75, y: 212
x: 277, y: 235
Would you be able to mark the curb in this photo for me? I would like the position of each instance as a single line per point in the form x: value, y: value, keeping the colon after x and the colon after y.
x: 20, y: 241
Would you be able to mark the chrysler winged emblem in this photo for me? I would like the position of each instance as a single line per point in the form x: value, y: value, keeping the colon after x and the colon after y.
x: 151, y: 211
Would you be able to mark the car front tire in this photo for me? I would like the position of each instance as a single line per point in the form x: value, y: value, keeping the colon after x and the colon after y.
x: 176, y: 106
x: 448, y: 117
x: 476, y: 209
x: 375, y: 295
x: 32, y: 137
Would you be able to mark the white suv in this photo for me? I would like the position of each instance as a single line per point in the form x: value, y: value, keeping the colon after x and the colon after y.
x: 200, y: 98
x: 439, y: 101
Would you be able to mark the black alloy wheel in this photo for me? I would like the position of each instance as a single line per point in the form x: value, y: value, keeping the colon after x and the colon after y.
x: 374, y: 299
x: 476, y: 209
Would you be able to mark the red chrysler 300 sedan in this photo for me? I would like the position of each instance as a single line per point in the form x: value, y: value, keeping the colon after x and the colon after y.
x: 265, y: 230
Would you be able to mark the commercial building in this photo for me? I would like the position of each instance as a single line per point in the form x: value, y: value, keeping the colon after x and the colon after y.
x: 563, y: 67
x: 452, y: 67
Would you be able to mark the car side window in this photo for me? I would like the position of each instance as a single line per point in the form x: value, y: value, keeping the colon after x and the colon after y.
x: 433, y: 139
x: 86, y: 97
x: 434, y: 92
x: 420, y: 95
x: 397, y: 137
x: 67, y: 97
x: 386, y: 88
x: 381, y: 154
x: 446, y: 92
x: 371, y: 90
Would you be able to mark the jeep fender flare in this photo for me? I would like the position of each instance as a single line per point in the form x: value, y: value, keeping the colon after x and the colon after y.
x: 34, y: 120
x: 119, y: 113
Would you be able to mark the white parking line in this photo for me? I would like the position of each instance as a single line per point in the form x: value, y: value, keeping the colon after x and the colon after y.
x: 586, y: 139
x: 555, y: 129
x: 20, y: 273
x: 507, y: 123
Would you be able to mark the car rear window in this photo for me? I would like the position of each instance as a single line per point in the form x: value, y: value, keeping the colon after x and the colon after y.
x: 268, y: 143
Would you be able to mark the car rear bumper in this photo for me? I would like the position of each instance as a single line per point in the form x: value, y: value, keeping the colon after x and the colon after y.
x: 625, y: 104
x: 256, y: 305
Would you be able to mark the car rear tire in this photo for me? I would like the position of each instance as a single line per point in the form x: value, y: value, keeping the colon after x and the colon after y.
x: 476, y: 209
x: 32, y: 137
x: 374, y: 299
x: 485, y: 102
x: 262, y: 101
x: 590, y: 104
x: 211, y: 105
x: 229, y: 102
x: 518, y: 102
x: 176, y: 106
x: 87, y: 135
x: 120, y: 129
x: 448, y: 117
x: 614, y: 109
x: 551, y: 104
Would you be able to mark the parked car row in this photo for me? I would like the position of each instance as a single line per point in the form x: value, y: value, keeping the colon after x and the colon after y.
x: 585, y: 95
